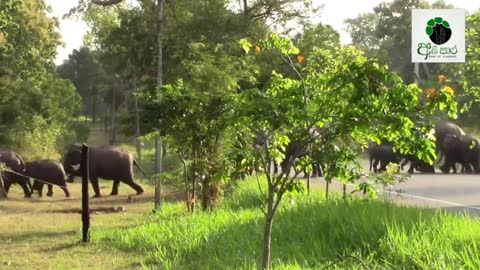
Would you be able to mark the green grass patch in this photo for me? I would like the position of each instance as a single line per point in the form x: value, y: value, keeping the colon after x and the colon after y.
x: 309, y: 232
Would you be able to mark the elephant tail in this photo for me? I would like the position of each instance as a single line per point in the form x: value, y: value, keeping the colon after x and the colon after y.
x: 140, y: 168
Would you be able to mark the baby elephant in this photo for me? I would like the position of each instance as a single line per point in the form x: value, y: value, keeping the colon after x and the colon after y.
x: 48, y: 171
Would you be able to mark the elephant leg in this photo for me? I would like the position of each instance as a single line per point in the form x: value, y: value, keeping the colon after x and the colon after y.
x: 375, y: 164
x: 96, y: 188
x: 448, y: 164
x: 469, y: 168
x: 383, y: 165
x: 7, y: 183
x: 27, y: 192
x: 453, y: 165
x: 404, y: 162
x: 39, y: 187
x: 67, y: 194
x: 314, y: 170
x: 476, y: 166
x: 134, y: 185
x: 114, y: 192
x: 413, y: 165
x: 50, y: 190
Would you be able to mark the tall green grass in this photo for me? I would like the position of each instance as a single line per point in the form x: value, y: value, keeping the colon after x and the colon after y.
x: 308, y: 233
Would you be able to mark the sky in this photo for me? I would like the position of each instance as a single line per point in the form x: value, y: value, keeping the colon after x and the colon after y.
x: 334, y: 13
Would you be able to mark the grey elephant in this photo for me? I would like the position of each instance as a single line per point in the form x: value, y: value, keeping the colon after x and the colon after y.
x: 106, y: 162
x: 416, y: 164
x: 446, y: 131
x: 47, y: 171
x: 14, y: 162
x: 385, y: 154
x: 464, y: 150
x: 381, y: 153
x: 294, y: 150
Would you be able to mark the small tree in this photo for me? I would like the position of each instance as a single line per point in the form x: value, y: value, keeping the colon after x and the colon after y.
x: 349, y: 99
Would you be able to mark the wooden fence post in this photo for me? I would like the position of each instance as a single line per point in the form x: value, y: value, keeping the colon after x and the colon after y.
x: 3, y: 193
x: 85, y: 179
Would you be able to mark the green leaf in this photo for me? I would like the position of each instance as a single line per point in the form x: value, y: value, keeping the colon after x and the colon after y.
x: 429, y: 30
x: 245, y: 44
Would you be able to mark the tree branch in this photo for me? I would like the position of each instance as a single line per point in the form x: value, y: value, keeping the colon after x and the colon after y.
x: 106, y: 2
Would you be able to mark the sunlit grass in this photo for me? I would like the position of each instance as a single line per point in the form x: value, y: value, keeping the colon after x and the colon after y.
x: 309, y: 232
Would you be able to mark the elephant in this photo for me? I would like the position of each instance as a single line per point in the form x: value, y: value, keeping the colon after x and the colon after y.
x: 382, y: 154
x: 259, y: 142
x: 107, y: 162
x: 298, y: 149
x: 446, y: 130
x: 47, y: 171
x: 294, y: 150
x: 14, y: 162
x: 464, y: 150
x: 416, y: 164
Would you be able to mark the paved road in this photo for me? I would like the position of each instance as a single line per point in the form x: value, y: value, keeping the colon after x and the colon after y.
x: 455, y: 192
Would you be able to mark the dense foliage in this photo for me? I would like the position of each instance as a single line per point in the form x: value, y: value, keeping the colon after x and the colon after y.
x: 36, y: 106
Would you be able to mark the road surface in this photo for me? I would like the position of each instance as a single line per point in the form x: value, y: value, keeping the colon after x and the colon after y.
x: 453, y: 192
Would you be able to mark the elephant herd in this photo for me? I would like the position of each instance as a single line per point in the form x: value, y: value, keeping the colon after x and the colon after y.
x: 452, y: 145
x: 105, y: 161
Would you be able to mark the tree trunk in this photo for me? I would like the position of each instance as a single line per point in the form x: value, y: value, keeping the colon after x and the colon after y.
x: 94, y: 106
x: 327, y: 186
x: 112, y: 125
x: 194, y: 178
x: 267, y: 235
x: 185, y: 178
x: 105, y: 120
x: 137, y: 122
x: 158, y: 139
x: 245, y: 7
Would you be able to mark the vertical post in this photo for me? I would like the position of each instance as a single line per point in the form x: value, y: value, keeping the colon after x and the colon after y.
x: 137, y: 121
x: 3, y: 193
x: 158, y: 170
x: 158, y: 138
x: 309, y: 173
x: 85, y: 179
x: 113, y: 128
x: 416, y: 75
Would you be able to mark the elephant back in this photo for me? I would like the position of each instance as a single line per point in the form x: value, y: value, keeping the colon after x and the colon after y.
x: 444, y: 129
x: 108, y: 161
x: 12, y: 160
x: 47, y: 169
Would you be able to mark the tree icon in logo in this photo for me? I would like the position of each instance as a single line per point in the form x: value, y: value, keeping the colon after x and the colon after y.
x: 438, y: 30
